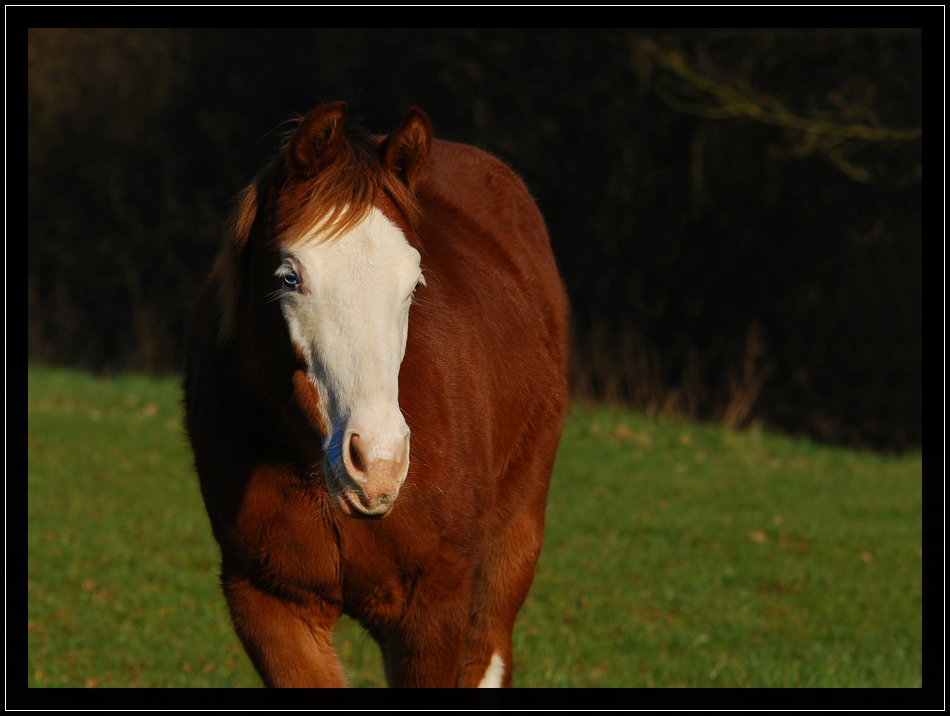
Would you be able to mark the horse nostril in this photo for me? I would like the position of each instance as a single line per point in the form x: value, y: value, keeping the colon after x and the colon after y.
x: 385, y: 499
x: 356, y: 456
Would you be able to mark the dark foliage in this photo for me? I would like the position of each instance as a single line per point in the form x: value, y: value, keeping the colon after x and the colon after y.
x: 737, y: 214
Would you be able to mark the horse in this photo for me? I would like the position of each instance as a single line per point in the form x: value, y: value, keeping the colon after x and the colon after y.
x: 371, y: 288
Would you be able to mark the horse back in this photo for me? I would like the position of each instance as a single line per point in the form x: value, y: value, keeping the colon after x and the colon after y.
x: 477, y: 204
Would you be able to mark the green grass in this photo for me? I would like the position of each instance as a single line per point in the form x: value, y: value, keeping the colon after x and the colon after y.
x: 675, y: 555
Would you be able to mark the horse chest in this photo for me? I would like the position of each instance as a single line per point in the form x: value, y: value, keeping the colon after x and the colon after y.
x: 386, y: 563
x: 374, y: 589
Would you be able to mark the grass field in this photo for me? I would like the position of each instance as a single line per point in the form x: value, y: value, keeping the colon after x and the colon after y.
x: 675, y: 555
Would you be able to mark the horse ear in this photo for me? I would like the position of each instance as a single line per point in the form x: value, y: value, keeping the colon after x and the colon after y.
x: 317, y: 139
x: 405, y: 151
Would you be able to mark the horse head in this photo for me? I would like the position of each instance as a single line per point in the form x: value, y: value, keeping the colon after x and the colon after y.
x: 336, y: 215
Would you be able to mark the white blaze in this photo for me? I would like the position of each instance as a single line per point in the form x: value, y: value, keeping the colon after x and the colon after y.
x: 346, y: 302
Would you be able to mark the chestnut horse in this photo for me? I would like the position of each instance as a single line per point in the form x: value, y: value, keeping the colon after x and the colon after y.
x: 371, y: 288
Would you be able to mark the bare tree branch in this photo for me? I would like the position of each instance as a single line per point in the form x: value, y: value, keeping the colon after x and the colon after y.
x: 824, y: 136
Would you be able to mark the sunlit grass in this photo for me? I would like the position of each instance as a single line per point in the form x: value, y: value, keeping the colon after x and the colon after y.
x: 688, y: 555
x: 674, y: 555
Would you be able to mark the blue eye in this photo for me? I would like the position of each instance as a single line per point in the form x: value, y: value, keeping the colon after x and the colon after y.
x: 415, y: 288
x: 291, y: 280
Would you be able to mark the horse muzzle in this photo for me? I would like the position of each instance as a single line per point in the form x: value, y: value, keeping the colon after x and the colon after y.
x: 372, y: 475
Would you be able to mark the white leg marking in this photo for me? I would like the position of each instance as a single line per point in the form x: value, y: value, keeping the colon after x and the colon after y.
x: 493, y: 674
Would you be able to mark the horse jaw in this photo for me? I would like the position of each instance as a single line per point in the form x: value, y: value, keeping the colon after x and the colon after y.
x: 348, y: 316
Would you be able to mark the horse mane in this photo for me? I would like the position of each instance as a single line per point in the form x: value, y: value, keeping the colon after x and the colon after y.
x: 325, y: 200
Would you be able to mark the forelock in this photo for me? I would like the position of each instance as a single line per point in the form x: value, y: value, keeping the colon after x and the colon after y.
x: 339, y: 195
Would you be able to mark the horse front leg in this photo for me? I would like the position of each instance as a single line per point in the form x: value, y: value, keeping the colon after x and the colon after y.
x: 507, y: 566
x: 426, y: 648
x: 289, y: 644
x: 502, y: 583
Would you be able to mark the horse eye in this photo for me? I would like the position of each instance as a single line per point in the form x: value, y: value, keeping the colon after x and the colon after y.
x: 416, y: 287
x: 291, y: 279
